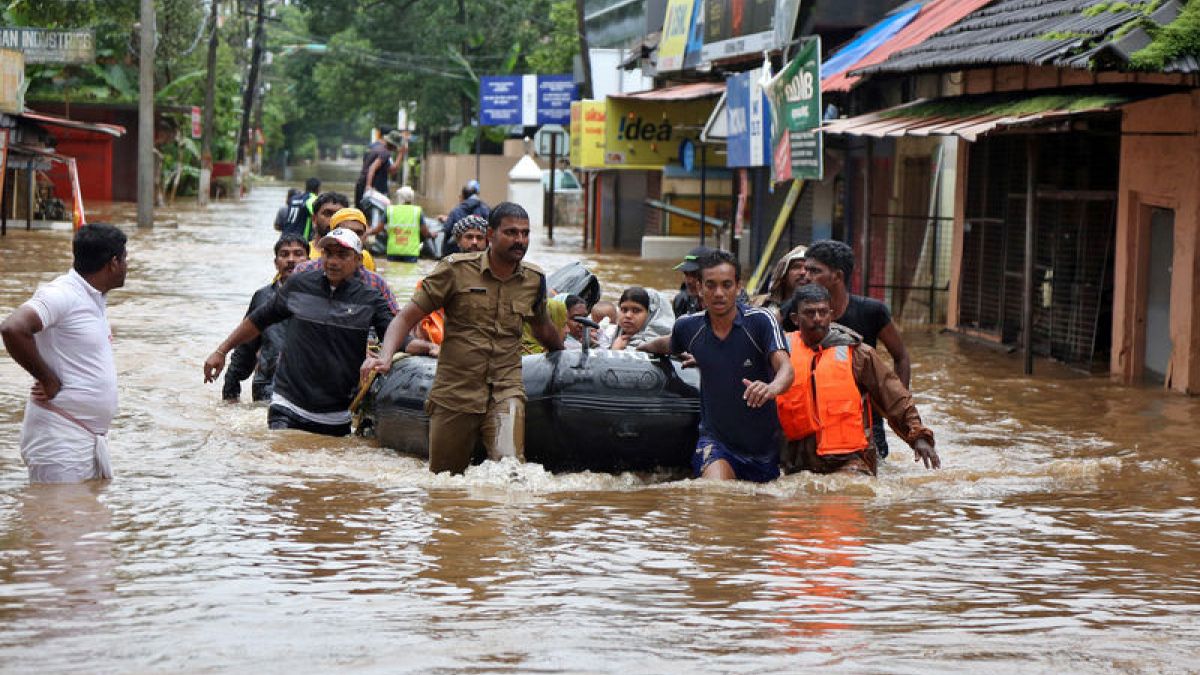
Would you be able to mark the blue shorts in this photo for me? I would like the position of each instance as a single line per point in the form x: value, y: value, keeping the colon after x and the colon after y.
x: 709, y: 450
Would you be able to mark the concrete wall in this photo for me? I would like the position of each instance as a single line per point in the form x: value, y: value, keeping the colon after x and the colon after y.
x: 1160, y: 167
x: 443, y: 176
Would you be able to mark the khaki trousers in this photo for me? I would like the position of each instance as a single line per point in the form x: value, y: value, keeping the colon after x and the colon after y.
x: 454, y: 435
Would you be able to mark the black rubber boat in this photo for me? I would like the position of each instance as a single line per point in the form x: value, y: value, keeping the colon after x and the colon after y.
x: 596, y: 410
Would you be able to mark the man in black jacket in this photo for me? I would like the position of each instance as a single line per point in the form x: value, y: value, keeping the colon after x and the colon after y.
x: 331, y: 313
x: 259, y: 356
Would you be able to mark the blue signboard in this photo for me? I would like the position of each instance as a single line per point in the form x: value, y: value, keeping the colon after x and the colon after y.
x: 500, y: 100
x: 554, y: 96
x: 748, y: 122
x: 526, y: 100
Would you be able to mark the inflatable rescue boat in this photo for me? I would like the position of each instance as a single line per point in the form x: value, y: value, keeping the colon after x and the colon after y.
x: 596, y: 410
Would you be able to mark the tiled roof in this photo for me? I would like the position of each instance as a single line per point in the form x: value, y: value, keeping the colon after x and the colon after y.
x: 1036, y: 32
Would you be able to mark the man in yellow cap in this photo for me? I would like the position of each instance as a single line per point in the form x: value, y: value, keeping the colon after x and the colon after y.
x: 351, y: 219
x: 330, y: 313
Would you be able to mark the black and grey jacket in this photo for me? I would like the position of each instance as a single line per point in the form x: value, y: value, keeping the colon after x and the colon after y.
x: 258, y: 356
x: 326, y: 337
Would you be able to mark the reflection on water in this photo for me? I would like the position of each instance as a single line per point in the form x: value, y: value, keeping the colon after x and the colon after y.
x: 1059, y: 536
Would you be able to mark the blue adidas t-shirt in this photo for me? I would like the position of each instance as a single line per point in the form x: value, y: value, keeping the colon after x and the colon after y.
x: 744, y: 354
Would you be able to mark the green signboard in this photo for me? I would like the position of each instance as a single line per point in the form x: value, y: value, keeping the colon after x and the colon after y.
x: 794, y: 96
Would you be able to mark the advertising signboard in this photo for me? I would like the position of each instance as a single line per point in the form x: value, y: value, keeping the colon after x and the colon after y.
x: 646, y: 134
x: 41, y: 45
x: 12, y: 81
x: 527, y: 100
x: 747, y: 120
x: 795, y: 102
x: 587, y: 134
x: 736, y: 27
x: 676, y: 28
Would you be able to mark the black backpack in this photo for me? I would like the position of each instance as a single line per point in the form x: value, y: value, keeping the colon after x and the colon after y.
x: 297, y: 215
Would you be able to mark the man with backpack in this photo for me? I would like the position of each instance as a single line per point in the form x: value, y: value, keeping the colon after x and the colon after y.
x: 298, y: 220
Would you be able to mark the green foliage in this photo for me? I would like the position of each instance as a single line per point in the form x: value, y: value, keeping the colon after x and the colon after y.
x: 555, y: 51
x: 1179, y: 38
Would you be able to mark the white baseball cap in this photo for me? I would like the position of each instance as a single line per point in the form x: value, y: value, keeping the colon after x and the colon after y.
x: 342, y: 237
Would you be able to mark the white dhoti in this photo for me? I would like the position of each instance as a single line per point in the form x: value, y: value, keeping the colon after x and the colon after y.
x: 58, y: 448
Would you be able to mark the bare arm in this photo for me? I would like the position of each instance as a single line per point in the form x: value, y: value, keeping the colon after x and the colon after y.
x: 245, y: 331
x: 547, y: 334
x: 17, y: 331
x: 757, y: 392
x: 409, y: 316
x: 659, y: 345
x: 371, y: 171
x: 901, y: 362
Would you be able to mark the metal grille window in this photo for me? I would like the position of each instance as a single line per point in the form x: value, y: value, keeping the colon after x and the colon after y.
x: 1075, y: 226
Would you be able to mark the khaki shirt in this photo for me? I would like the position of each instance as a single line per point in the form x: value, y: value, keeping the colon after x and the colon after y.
x: 480, y: 358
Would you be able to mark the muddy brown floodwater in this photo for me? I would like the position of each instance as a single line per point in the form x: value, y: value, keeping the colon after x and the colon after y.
x: 1061, y: 536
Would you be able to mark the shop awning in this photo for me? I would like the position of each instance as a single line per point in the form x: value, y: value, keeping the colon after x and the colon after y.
x: 114, y: 130
x: 679, y: 92
x: 972, y: 117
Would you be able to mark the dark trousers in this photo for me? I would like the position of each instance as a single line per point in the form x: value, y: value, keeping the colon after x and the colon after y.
x: 282, y: 418
x: 880, y: 436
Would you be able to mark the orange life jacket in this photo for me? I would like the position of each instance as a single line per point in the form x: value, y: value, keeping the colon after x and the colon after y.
x: 824, y: 399
x: 434, y: 325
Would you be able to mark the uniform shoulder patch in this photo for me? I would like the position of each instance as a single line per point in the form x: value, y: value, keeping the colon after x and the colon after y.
x: 461, y: 257
x: 532, y: 267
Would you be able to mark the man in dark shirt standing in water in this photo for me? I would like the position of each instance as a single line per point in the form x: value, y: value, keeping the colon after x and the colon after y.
x: 830, y: 264
x: 377, y: 165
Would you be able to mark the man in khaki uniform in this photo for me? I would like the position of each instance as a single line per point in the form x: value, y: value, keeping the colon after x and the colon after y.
x: 477, y: 393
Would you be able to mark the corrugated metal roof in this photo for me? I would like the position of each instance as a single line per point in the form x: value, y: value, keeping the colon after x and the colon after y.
x: 934, y: 16
x: 1037, y: 32
x: 114, y: 130
x: 972, y: 117
x: 679, y: 92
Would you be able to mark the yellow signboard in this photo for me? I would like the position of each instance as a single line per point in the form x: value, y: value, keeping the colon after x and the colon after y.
x: 587, y: 134
x: 676, y: 26
x: 645, y: 134
x: 12, y: 81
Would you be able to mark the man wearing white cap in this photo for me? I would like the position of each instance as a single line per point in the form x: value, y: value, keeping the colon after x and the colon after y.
x: 332, y: 311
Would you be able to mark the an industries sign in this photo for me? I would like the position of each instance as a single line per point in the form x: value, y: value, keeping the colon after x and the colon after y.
x: 526, y: 100
x: 795, y: 102
x: 41, y: 45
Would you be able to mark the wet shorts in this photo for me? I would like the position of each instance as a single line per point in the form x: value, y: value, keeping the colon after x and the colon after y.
x: 709, y: 450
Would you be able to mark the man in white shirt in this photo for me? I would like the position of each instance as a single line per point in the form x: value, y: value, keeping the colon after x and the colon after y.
x: 62, y: 338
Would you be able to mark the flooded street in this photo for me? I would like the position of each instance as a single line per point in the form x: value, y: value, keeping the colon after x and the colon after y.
x: 1060, y: 535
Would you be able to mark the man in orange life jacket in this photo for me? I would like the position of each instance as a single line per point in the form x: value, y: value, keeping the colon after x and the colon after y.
x: 825, y: 414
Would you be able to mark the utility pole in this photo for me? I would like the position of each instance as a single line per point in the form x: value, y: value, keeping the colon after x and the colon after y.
x: 584, y: 57
x: 145, y: 161
x: 206, y: 137
x: 248, y: 99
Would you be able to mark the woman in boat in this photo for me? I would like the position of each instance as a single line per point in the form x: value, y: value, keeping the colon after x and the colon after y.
x: 643, y: 316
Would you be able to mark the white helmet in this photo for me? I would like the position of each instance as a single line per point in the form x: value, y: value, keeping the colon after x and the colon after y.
x: 405, y: 194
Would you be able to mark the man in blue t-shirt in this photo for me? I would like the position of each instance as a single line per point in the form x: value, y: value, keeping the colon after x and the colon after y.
x: 743, y: 360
